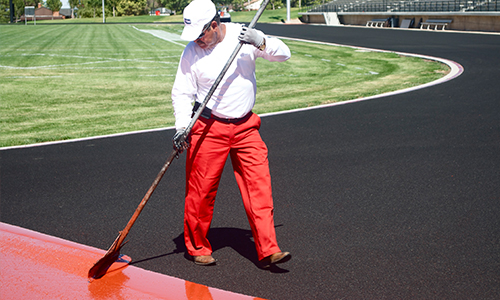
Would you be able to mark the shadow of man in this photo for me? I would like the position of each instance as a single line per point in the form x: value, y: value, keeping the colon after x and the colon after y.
x: 240, y: 240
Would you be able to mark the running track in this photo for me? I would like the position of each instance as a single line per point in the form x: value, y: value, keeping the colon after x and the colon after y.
x: 392, y: 198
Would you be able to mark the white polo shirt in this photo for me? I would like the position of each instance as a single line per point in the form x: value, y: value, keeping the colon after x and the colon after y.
x: 199, y: 68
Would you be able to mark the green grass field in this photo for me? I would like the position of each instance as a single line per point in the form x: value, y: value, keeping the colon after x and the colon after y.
x: 71, y: 81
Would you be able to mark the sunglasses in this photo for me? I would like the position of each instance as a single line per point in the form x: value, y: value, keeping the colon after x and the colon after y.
x: 205, y: 29
x: 207, y: 26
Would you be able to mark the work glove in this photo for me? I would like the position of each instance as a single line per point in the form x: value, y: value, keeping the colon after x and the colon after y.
x: 251, y: 36
x: 180, y: 140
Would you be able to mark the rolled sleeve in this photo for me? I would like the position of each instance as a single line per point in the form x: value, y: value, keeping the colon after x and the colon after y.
x: 275, y: 50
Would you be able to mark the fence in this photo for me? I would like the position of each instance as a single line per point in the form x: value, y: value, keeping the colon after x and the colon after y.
x: 407, y: 6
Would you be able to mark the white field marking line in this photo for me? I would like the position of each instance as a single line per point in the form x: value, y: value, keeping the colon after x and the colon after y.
x: 103, y: 60
x: 120, y: 68
x: 32, y: 77
x: 147, y: 59
x: 52, y: 66
x: 165, y: 75
x: 166, y: 36
x: 456, y: 70
x: 328, y: 60
x: 95, y: 68
x: 357, y: 68
x: 95, y: 49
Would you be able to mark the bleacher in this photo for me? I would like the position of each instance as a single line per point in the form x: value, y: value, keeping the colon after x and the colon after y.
x: 406, y: 6
x: 430, y: 23
x: 465, y: 15
x: 376, y: 23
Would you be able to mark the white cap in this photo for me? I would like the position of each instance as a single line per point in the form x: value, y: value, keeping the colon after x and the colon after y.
x: 196, y: 15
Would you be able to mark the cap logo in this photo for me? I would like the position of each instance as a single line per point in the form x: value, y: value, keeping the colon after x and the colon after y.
x: 187, y: 21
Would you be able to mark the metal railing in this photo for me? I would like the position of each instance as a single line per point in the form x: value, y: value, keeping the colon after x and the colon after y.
x: 407, y: 6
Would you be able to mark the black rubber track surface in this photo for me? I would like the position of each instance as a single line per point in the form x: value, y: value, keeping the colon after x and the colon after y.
x: 395, y: 198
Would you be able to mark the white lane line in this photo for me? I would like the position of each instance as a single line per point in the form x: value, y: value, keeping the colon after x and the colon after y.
x: 167, y: 36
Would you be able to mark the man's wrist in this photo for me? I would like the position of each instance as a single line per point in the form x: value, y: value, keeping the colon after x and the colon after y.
x: 262, y: 47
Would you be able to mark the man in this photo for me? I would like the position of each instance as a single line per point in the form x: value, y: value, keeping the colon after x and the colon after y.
x: 226, y: 127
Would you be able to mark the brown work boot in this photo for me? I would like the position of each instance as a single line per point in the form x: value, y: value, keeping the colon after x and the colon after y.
x: 204, y: 260
x: 276, y: 258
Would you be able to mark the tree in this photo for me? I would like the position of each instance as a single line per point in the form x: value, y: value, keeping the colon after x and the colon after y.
x: 113, y: 4
x: 311, y: 2
x: 73, y: 4
x: 4, y: 11
x: 94, y: 4
x: 276, y: 3
x: 238, y: 4
x: 131, y: 7
x: 176, y: 6
x: 89, y: 8
x: 54, y: 5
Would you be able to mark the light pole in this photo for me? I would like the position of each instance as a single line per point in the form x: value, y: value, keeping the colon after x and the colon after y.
x: 288, y: 11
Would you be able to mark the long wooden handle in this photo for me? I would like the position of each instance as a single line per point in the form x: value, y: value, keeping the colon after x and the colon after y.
x: 138, y: 210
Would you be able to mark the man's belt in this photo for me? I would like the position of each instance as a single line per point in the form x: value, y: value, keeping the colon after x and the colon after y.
x: 207, y: 114
x: 232, y: 120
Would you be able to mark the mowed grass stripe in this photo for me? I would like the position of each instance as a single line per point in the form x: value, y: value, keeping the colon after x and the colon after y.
x: 72, y: 81
x: 112, y: 81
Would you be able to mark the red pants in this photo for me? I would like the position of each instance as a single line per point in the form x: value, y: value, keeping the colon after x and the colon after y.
x: 211, y: 142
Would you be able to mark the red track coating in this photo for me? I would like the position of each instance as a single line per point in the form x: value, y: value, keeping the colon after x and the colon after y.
x: 37, y: 266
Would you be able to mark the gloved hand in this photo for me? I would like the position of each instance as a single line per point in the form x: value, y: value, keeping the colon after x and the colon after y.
x: 180, y: 141
x: 251, y: 36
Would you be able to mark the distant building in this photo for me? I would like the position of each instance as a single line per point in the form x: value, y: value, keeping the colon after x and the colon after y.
x: 43, y: 13
x: 66, y: 12
x: 253, y: 4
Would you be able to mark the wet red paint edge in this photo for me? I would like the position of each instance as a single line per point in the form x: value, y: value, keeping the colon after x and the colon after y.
x: 38, y: 266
